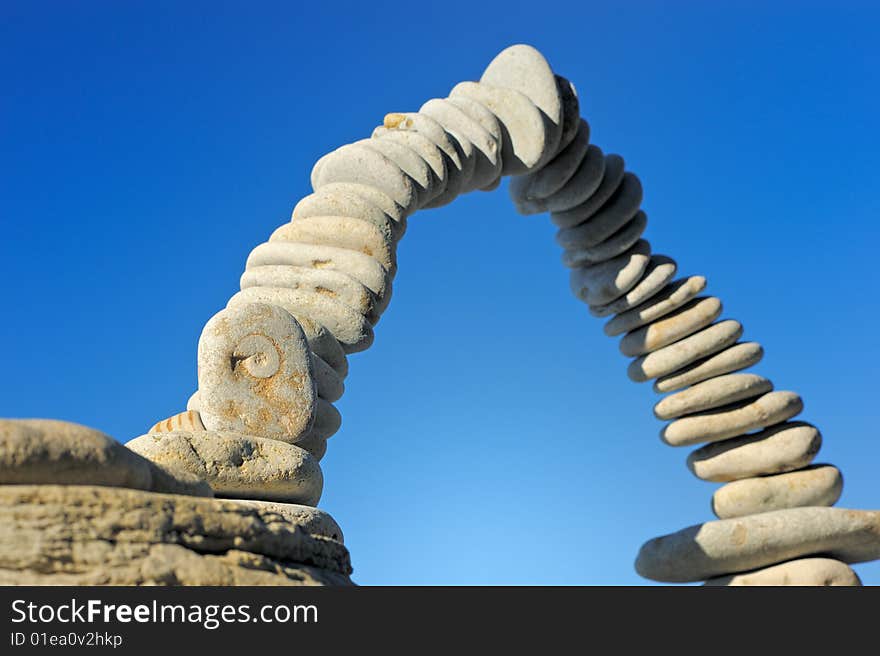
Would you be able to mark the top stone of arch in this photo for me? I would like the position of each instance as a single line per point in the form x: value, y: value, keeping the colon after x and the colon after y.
x: 522, y: 69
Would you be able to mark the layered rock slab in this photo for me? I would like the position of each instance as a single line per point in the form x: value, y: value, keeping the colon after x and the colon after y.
x: 89, y: 535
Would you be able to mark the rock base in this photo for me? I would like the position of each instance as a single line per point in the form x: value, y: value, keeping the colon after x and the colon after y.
x: 91, y: 535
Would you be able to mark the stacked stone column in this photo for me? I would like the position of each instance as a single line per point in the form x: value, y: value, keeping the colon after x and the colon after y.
x: 323, y: 280
x: 327, y: 276
x: 774, y: 504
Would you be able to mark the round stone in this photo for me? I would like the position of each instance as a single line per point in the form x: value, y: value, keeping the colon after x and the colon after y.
x: 617, y: 212
x: 371, y: 195
x: 576, y: 190
x: 352, y: 329
x: 611, y: 181
x: 346, y: 200
x: 735, y: 358
x: 819, y: 485
x: 359, y: 164
x: 603, y: 283
x: 659, y: 271
x: 477, y: 143
x: 323, y: 344
x: 413, y: 147
x: 527, y: 140
x: 314, y: 444
x: 47, y: 452
x: 547, y: 181
x: 487, y: 121
x: 412, y: 165
x: 522, y: 68
x: 463, y: 131
x: 238, y: 465
x: 777, y: 449
x: 731, y: 421
x: 492, y: 186
x: 363, y: 268
x: 712, y: 393
x: 329, y: 384
x: 424, y: 148
x: 571, y: 111
x: 341, y: 232
x: 487, y: 170
x: 436, y: 134
x: 618, y: 243
x: 685, y: 321
x: 328, y: 420
x: 327, y: 282
x: 728, y: 546
x: 670, y: 298
x: 668, y: 359
x: 801, y: 572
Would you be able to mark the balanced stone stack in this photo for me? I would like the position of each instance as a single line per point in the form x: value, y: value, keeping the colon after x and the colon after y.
x: 331, y: 267
x: 773, y: 510
x: 274, y: 361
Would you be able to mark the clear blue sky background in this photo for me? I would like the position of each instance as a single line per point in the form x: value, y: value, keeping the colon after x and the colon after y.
x: 491, y: 434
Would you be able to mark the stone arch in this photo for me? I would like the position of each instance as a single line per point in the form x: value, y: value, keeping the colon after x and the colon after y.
x: 273, y: 362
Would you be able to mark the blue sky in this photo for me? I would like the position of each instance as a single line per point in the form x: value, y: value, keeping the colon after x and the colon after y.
x: 491, y: 434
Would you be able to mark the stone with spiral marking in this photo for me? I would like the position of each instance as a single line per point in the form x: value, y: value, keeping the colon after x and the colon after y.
x: 255, y: 373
